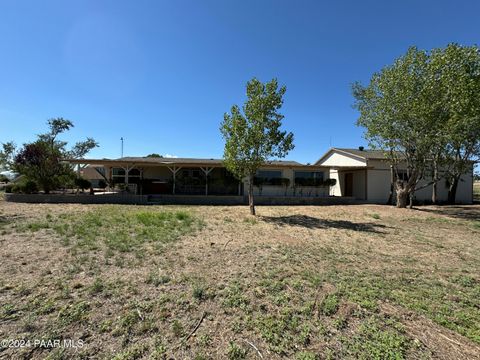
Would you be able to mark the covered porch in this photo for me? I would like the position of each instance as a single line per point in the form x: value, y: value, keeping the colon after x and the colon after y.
x: 352, y: 181
x: 163, y: 177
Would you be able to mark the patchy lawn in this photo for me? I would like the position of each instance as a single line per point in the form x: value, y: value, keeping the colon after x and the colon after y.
x: 306, y: 282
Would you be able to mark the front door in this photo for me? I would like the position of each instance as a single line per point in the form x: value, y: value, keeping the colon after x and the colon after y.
x: 348, y: 184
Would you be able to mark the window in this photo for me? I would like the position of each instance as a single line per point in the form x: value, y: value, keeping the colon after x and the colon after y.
x: 308, y: 178
x: 402, y: 175
x: 118, y: 172
x: 268, y: 177
x: 118, y: 175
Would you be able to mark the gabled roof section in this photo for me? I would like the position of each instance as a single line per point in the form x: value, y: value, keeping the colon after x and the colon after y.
x: 364, y: 154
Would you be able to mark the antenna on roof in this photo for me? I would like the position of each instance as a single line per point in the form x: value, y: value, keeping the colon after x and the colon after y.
x: 121, y: 139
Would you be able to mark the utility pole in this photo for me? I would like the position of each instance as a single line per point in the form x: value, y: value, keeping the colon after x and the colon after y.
x: 121, y: 139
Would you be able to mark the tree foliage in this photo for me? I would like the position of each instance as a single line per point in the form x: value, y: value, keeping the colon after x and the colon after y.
x: 423, y: 111
x: 253, y: 134
x: 41, y: 161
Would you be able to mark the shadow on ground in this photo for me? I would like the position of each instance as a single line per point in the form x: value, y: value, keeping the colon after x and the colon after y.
x: 467, y: 212
x: 316, y: 223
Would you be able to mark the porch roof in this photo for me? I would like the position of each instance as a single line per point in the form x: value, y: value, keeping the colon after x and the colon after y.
x: 184, y: 162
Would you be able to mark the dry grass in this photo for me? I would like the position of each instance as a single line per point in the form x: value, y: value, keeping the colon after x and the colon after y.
x: 300, y: 282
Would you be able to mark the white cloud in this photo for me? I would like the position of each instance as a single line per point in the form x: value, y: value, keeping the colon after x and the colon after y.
x: 170, y: 156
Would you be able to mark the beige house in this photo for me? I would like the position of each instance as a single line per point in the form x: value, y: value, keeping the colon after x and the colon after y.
x: 188, y: 176
x: 358, y: 174
x: 366, y: 175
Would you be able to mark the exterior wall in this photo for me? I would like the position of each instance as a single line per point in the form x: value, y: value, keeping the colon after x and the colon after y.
x: 78, y: 199
x: 336, y: 190
x: 379, y: 186
x: 342, y: 160
x: 173, y: 199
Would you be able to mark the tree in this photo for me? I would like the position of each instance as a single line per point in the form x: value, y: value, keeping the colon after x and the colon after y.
x: 456, y: 70
x: 395, y: 110
x: 154, y: 155
x: 42, y: 160
x: 7, y: 155
x: 253, y: 135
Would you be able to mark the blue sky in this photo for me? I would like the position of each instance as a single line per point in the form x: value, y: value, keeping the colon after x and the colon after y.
x: 162, y: 73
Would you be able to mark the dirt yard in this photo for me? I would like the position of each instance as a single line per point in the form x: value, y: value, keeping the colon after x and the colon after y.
x: 306, y: 282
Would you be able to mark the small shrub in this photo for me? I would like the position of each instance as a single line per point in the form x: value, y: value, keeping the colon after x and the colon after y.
x: 82, y: 183
x: 154, y: 278
x: 25, y: 187
x: 236, y: 352
x: 74, y: 313
x: 329, y: 305
x: 102, y: 184
x: 177, y: 328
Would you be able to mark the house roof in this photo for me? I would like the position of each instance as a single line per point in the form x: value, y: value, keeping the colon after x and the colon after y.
x: 364, y: 154
x: 174, y: 161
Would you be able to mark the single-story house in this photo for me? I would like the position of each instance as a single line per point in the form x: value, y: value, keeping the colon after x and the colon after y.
x: 366, y: 175
x: 188, y: 176
x: 359, y: 174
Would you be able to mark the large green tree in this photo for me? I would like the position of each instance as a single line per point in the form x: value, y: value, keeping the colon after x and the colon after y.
x: 393, y: 109
x: 42, y: 160
x: 455, y: 74
x: 253, y: 134
x: 423, y: 111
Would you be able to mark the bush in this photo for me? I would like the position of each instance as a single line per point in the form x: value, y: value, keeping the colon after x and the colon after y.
x: 102, y: 184
x: 82, y: 183
x: 300, y: 181
x: 24, y: 187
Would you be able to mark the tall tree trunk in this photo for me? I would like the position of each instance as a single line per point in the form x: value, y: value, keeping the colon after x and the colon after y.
x: 250, y: 196
x: 452, y: 190
x: 435, y: 180
x: 402, y: 195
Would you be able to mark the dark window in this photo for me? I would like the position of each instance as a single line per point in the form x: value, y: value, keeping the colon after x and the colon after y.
x: 118, y: 172
x: 269, y: 174
x: 308, y: 178
x: 268, y: 177
x: 402, y: 175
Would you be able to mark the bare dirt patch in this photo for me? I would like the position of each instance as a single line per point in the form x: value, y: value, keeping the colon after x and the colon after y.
x: 300, y: 282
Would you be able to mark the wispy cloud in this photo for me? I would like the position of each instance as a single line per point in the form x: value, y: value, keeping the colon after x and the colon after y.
x: 170, y: 156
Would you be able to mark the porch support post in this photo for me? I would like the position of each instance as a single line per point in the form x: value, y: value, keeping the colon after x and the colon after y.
x: 127, y: 169
x: 174, y: 171
x: 206, y: 171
